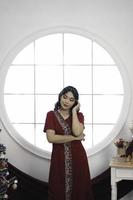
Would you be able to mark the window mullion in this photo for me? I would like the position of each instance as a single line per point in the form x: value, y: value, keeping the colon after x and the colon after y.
x: 63, y: 70
x: 92, y: 94
x: 34, y: 97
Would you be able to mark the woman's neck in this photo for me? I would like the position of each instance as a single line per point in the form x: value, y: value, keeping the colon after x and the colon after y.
x: 64, y: 113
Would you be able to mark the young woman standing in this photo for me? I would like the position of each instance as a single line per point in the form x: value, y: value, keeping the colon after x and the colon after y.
x: 69, y: 177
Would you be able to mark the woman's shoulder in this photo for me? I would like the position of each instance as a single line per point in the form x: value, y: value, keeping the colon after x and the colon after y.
x: 80, y: 114
x: 50, y: 113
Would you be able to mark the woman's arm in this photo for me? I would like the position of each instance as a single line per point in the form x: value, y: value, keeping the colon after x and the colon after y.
x: 77, y: 126
x: 58, y: 139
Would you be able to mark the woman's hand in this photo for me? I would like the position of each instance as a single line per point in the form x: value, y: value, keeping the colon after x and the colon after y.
x: 77, y: 126
x: 77, y: 107
x: 80, y: 137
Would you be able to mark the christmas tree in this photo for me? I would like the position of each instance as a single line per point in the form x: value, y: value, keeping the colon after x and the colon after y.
x: 5, y: 181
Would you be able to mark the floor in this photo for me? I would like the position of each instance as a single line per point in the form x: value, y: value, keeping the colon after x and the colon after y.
x: 129, y: 196
x: 31, y: 188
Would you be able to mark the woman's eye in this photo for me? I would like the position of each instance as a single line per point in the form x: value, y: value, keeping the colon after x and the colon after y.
x: 72, y: 100
x: 64, y: 97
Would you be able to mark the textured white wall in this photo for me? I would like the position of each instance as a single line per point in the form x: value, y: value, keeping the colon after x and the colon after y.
x: 111, y: 20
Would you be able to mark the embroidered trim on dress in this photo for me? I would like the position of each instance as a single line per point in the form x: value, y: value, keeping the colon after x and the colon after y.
x: 68, y: 157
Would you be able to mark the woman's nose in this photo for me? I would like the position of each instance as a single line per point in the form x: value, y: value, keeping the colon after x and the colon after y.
x: 67, y: 101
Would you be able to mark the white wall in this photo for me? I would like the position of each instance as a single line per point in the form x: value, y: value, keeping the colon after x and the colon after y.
x: 110, y: 20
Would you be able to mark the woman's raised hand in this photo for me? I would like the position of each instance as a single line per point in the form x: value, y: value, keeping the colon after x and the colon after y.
x: 77, y: 107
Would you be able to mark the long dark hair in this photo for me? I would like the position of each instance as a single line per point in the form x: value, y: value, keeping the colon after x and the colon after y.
x: 64, y: 91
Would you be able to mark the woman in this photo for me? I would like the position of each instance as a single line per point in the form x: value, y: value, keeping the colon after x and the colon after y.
x: 69, y: 177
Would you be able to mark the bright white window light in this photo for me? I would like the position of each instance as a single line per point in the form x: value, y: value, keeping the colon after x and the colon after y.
x: 44, y: 67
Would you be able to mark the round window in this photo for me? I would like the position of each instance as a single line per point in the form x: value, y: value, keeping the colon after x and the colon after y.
x: 40, y: 71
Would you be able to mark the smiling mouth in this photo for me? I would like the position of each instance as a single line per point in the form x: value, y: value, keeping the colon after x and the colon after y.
x: 65, y: 105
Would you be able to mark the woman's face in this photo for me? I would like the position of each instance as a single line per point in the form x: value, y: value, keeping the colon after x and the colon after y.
x: 67, y: 101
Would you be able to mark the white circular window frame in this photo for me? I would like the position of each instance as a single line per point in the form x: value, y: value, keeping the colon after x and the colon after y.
x: 11, y: 56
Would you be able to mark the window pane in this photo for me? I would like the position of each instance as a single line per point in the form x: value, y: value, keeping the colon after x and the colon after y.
x: 100, y: 55
x: 86, y: 107
x: 106, y: 109
x: 26, y: 131
x: 20, y: 79
x: 77, y: 49
x: 26, y: 56
x: 107, y: 80
x: 48, y: 50
x: 49, y: 79
x: 80, y: 77
x: 20, y: 108
x: 44, y: 103
x: 88, y: 137
x: 100, y: 132
x: 41, y: 140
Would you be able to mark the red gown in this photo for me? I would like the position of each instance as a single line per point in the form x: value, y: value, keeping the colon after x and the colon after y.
x: 81, y: 184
